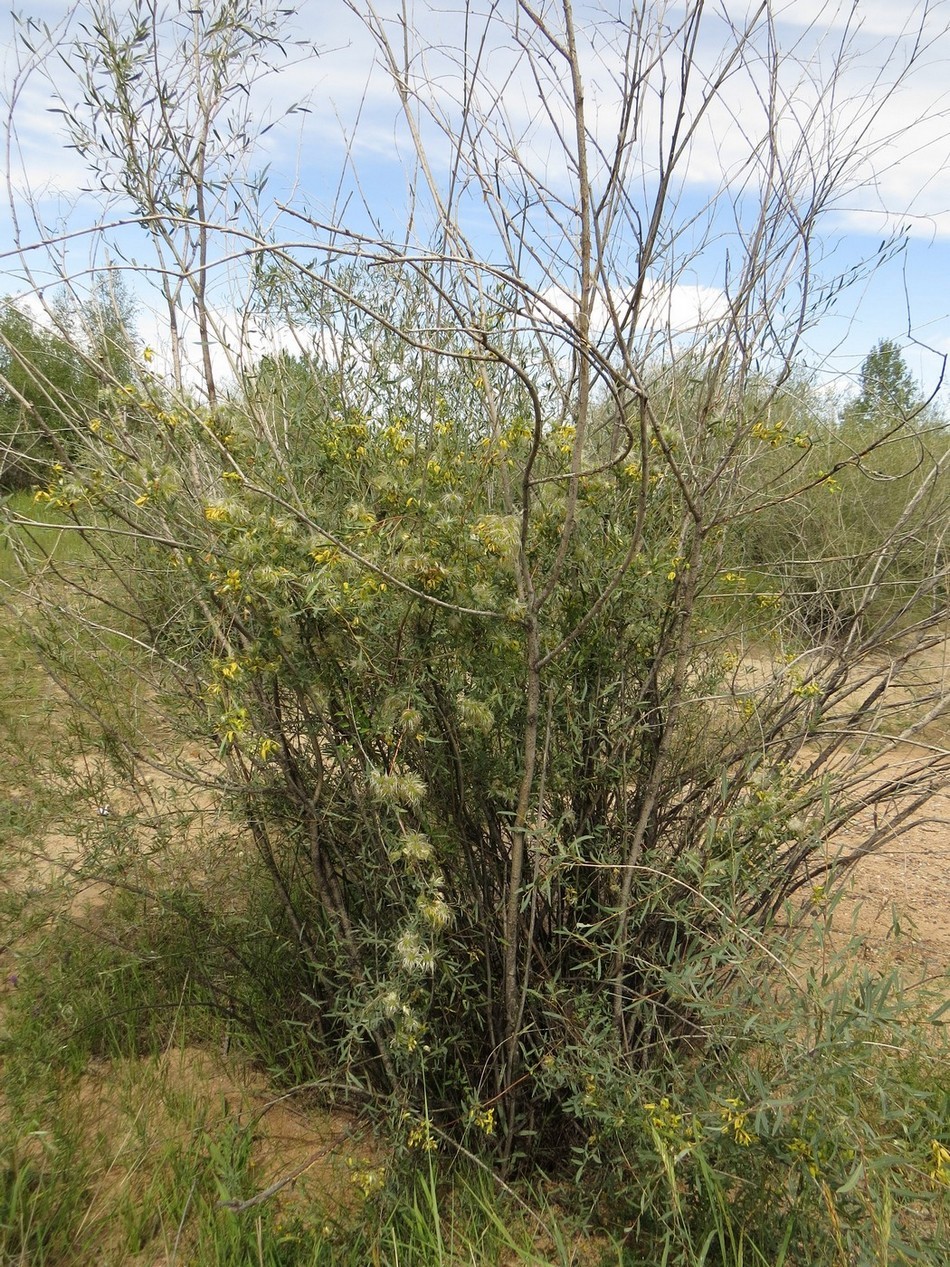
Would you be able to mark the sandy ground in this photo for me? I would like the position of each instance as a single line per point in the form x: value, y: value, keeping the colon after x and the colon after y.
x: 897, y: 898
x: 905, y: 886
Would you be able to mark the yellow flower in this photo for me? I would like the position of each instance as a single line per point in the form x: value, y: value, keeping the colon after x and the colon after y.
x: 234, y: 724
x: 773, y: 435
x: 421, y: 1137
x: 231, y: 583
x: 483, y: 1119
x: 733, y: 1118
x: 807, y: 690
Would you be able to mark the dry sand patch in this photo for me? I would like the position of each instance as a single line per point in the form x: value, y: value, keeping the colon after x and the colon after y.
x: 904, y: 885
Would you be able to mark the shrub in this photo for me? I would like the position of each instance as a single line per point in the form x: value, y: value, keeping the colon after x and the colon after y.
x: 455, y: 605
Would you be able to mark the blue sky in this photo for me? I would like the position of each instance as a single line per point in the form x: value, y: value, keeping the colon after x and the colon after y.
x: 352, y: 140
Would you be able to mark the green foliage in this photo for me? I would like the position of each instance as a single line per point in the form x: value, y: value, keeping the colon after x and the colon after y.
x: 783, y: 1113
x: 888, y: 393
x: 811, y: 1125
x: 850, y: 551
x: 41, y: 377
x: 799, y: 1138
x: 374, y: 731
x: 52, y: 374
x: 338, y: 591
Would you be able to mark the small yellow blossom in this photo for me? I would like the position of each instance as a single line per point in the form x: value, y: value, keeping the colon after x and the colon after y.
x: 234, y: 724
x: 807, y: 690
x: 231, y: 583
x: 733, y: 1117
x: 482, y: 1119
x: 772, y: 435
x: 421, y: 1137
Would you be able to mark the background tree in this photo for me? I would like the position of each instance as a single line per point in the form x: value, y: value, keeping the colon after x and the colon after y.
x: 888, y: 393
x: 40, y: 378
x: 52, y: 372
x: 164, y: 122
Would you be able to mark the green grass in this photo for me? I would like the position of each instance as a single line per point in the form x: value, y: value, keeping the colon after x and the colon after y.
x: 103, y: 1159
x: 32, y: 546
x: 161, y: 1167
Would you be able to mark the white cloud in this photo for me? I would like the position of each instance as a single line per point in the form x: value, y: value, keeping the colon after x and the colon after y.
x: 899, y: 171
x: 354, y: 108
x: 667, y: 310
x: 870, y: 17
